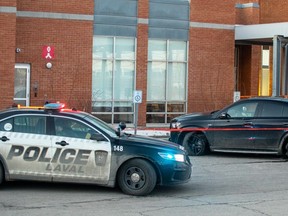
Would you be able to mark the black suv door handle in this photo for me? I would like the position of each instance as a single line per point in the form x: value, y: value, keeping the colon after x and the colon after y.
x: 4, y: 138
x: 62, y: 143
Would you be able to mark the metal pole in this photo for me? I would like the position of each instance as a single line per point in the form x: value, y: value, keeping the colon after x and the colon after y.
x: 136, y: 118
x: 276, y: 66
x: 285, y: 76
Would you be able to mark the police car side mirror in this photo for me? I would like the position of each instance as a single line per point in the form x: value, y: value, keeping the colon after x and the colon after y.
x: 122, y: 125
x: 98, y: 137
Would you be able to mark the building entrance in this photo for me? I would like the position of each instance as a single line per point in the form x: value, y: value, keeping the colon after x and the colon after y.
x: 22, y: 84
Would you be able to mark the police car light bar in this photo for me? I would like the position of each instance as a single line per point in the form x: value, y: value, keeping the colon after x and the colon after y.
x: 29, y: 107
x: 54, y: 106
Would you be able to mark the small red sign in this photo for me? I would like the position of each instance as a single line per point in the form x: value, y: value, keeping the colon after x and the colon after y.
x: 48, y: 52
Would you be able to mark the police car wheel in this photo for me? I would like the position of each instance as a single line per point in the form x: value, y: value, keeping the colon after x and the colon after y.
x: 1, y: 174
x: 137, y: 177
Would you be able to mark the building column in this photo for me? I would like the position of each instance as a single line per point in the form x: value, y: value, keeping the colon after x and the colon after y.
x: 142, y: 56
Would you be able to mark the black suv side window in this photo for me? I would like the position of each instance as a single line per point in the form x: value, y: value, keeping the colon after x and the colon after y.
x: 243, y: 110
x: 272, y: 109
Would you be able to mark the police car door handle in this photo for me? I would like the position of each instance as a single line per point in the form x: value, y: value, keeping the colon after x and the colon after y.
x: 62, y: 143
x: 4, y: 138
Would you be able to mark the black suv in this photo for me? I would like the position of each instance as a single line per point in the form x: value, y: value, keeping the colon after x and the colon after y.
x: 255, y: 125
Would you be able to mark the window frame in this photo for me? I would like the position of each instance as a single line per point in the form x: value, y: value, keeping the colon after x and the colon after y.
x: 168, y: 115
x: 112, y: 111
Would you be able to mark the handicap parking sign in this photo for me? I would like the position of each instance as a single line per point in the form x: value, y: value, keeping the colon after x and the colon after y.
x: 137, y: 97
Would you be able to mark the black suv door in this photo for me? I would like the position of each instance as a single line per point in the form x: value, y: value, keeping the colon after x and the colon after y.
x: 271, y: 125
x: 233, y: 128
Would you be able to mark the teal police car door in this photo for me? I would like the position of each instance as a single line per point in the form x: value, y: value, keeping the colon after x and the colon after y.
x: 77, y: 157
x: 26, y: 147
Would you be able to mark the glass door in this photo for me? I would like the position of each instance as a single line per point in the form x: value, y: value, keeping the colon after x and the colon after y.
x: 22, y: 84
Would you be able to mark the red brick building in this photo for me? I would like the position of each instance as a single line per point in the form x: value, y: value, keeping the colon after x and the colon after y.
x: 183, y: 55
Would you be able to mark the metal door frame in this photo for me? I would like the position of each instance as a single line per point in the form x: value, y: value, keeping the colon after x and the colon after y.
x: 27, y: 67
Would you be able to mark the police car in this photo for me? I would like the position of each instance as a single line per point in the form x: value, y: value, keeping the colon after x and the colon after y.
x: 55, y: 144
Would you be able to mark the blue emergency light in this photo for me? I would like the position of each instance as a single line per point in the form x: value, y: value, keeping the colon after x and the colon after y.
x: 54, y: 106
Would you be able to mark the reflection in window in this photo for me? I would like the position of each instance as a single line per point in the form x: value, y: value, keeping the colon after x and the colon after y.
x: 272, y: 110
x: 113, y: 78
x: 71, y: 128
x: 25, y: 124
x: 166, y: 80
x: 242, y: 110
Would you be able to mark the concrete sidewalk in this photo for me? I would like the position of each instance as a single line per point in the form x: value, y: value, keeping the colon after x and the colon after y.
x: 153, y: 132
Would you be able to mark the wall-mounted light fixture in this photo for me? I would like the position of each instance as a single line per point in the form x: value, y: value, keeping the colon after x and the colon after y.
x: 49, y: 65
x: 35, y: 88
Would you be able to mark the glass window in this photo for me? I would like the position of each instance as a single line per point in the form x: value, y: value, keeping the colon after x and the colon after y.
x: 25, y: 124
x: 166, y: 81
x: 113, y: 79
x: 156, y: 81
x: 272, y: 110
x: 157, y: 50
x: 102, y: 79
x: 72, y: 128
x: 125, y: 48
x: 176, y: 81
x: 177, y: 51
x: 124, y: 80
x: 20, y: 83
x: 285, y: 111
x: 102, y: 47
x: 7, y: 125
x: 242, y: 110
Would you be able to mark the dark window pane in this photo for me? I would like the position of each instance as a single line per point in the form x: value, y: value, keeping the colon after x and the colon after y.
x: 154, y: 107
x: 71, y: 128
x: 155, y: 118
x: 175, y: 107
x: 123, y: 107
x: 101, y: 109
x: 104, y: 117
x: 171, y: 116
x: 30, y: 124
x: 285, y: 111
x: 272, y: 110
x: 127, y: 118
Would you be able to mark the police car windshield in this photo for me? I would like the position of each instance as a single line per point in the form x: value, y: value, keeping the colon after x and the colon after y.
x: 101, y: 125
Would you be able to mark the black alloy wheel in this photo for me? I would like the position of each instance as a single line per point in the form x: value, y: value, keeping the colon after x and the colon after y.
x: 195, y: 144
x: 137, y: 177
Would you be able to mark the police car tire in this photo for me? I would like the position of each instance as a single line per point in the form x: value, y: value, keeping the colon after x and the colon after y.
x: 1, y: 174
x: 144, y: 175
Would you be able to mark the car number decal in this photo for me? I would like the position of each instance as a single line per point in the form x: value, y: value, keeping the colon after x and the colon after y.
x: 118, y: 148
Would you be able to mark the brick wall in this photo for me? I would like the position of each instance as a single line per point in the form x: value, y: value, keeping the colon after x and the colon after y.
x: 63, y: 6
x: 211, y: 69
x: 211, y: 56
x: 7, y: 53
x: 247, y: 16
x: 210, y: 11
x: 69, y: 79
x: 273, y: 11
